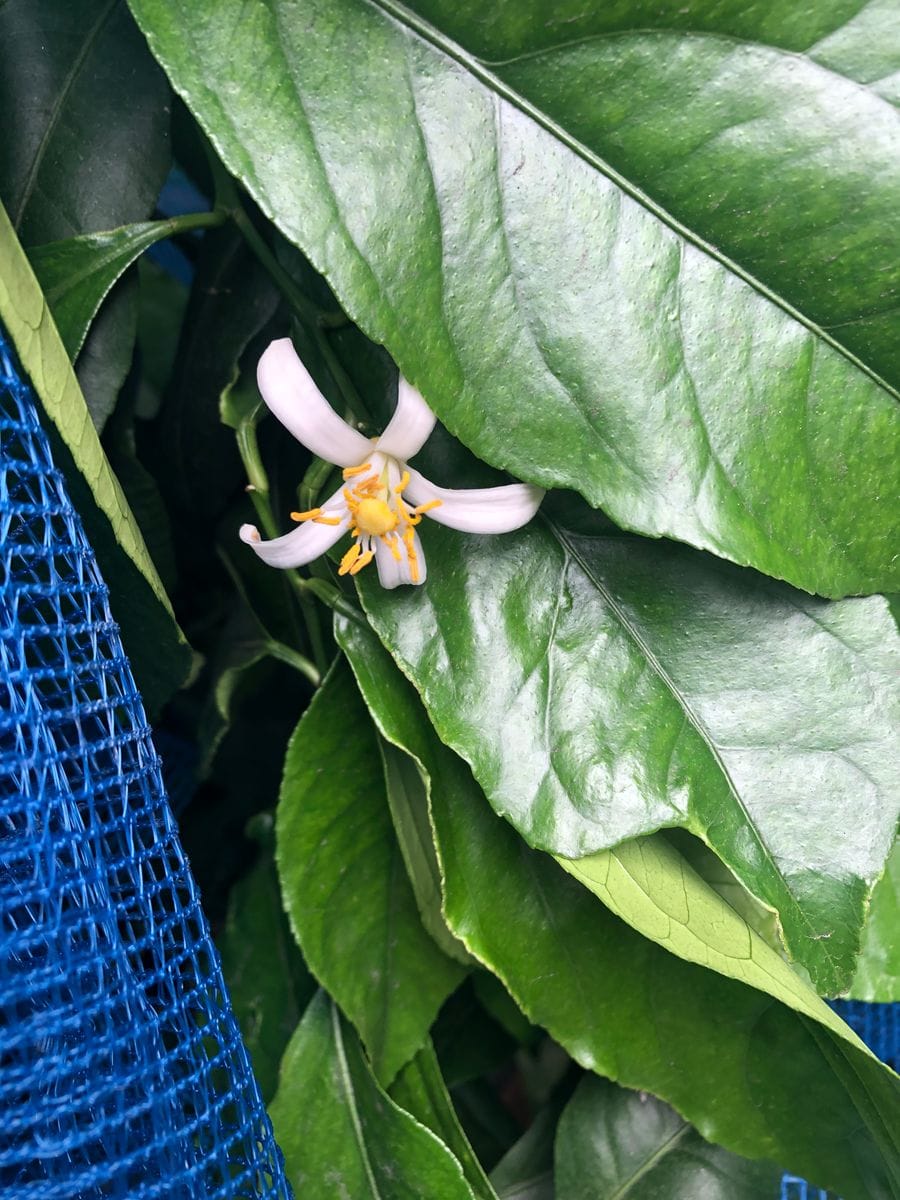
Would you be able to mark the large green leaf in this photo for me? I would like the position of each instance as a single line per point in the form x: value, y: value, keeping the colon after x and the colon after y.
x: 605, y: 687
x: 511, y: 271
x: 878, y: 970
x: 76, y: 274
x: 156, y: 646
x: 86, y: 115
x: 614, y: 1144
x: 740, y: 1066
x: 340, y: 1134
x: 746, y: 122
x: 344, y: 883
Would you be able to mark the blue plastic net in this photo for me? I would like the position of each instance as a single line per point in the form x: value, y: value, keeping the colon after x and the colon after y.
x: 122, y: 1071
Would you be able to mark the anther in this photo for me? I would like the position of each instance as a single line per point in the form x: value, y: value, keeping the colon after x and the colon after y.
x: 349, y: 472
x: 363, y: 561
x: 349, y: 559
x: 306, y: 516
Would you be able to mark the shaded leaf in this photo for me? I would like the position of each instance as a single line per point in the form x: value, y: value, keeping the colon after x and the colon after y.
x: 345, y: 888
x: 339, y: 1132
x: 508, y: 269
x: 76, y: 274
x: 614, y: 1144
x: 267, y: 981
x: 606, y: 687
x: 90, y: 112
x: 156, y: 646
x: 624, y: 1007
x: 421, y: 1091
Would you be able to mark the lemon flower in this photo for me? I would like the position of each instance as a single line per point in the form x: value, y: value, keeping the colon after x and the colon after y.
x: 382, y: 500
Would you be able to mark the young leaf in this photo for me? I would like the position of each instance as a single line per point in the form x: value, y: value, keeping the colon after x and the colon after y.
x: 599, y: 987
x: 76, y: 274
x: 156, y: 646
x: 613, y: 1144
x: 345, y: 888
x: 86, y: 112
x: 606, y: 687
x: 510, y: 270
x: 878, y: 970
x: 339, y: 1132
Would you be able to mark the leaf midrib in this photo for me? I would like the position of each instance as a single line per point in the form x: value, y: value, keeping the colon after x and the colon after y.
x: 650, y: 1163
x: 56, y: 112
x: 350, y: 1096
x: 477, y: 68
x: 695, y: 721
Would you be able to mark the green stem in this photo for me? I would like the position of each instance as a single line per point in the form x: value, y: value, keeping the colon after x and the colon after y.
x: 298, y: 661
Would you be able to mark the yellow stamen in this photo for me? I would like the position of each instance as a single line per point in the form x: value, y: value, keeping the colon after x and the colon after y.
x: 306, y: 516
x: 349, y: 472
x: 327, y: 520
x: 404, y: 482
x: 362, y: 561
x: 424, y: 508
x: 393, y: 544
x: 349, y: 559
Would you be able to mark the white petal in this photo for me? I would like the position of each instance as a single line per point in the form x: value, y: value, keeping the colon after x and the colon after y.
x: 410, y: 426
x: 477, y: 510
x: 290, y: 393
x: 303, y: 544
x: 392, y: 573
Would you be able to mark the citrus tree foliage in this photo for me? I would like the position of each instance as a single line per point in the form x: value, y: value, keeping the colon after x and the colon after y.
x: 552, y: 860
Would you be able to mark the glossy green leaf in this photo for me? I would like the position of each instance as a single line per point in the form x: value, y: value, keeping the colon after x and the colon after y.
x: 878, y: 970
x: 606, y: 687
x: 526, y: 1170
x: 408, y: 800
x: 624, y: 1007
x: 344, y: 884
x: 614, y: 1144
x: 108, y: 350
x: 267, y: 981
x: 421, y: 1091
x: 86, y: 115
x: 339, y: 1132
x: 510, y: 270
x: 156, y: 646
x: 76, y: 274
x: 767, y: 129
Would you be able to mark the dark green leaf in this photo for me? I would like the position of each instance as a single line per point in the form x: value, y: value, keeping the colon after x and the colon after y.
x: 86, y: 115
x: 878, y: 970
x: 77, y: 273
x: 626, y: 1008
x: 613, y: 1144
x: 421, y: 1091
x: 156, y: 646
x: 605, y: 687
x: 105, y: 358
x: 526, y: 1171
x: 267, y: 981
x: 340, y: 1134
x: 509, y: 270
x: 345, y: 887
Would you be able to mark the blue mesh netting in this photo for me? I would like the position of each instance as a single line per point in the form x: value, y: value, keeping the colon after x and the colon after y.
x: 122, y: 1071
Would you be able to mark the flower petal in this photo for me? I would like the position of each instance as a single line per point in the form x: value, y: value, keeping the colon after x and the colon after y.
x: 303, y: 544
x: 477, y: 510
x: 410, y: 426
x: 391, y: 572
x: 290, y: 393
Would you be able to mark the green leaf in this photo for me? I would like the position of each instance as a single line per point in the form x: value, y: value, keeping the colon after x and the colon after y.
x: 345, y: 889
x: 159, y: 654
x: 510, y: 270
x: 267, y: 981
x: 408, y: 800
x: 339, y: 1132
x: 614, y: 1144
x: 878, y: 970
x: 605, y: 687
x: 105, y: 359
x: 90, y: 113
x: 421, y: 1091
x: 526, y: 1170
x: 76, y: 274
x: 740, y: 1066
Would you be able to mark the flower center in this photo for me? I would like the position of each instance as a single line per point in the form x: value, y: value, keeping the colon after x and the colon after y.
x: 375, y: 517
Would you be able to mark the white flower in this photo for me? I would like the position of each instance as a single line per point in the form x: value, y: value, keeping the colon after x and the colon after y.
x: 382, y: 500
